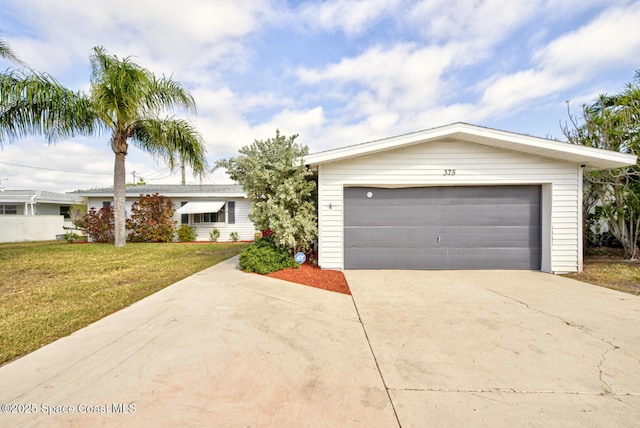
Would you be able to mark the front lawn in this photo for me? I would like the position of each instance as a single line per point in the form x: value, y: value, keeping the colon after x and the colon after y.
x: 606, y: 268
x: 51, y: 289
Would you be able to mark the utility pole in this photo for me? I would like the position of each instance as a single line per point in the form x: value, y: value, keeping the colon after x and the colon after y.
x: 184, y: 181
x: 133, y: 173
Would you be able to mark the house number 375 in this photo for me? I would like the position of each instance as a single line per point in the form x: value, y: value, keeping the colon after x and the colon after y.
x: 449, y: 172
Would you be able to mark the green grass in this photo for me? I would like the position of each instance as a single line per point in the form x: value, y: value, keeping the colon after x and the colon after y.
x: 50, y: 289
x: 605, y: 267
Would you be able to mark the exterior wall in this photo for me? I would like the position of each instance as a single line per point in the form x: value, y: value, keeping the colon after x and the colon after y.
x: 243, y: 226
x: 424, y: 165
x: 20, y: 228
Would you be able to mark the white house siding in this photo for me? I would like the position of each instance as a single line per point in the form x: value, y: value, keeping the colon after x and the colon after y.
x: 424, y: 165
x: 243, y: 226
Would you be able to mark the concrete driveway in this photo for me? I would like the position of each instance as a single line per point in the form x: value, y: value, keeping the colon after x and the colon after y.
x: 226, y: 348
x: 502, y: 348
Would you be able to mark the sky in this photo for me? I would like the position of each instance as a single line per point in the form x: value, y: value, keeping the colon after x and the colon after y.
x: 335, y: 72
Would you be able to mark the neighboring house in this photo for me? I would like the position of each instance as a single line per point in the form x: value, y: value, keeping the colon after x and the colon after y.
x: 34, y: 215
x: 202, y: 206
x: 37, y: 202
x: 455, y: 197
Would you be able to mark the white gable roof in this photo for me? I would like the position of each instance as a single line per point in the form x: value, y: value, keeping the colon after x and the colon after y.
x: 592, y: 158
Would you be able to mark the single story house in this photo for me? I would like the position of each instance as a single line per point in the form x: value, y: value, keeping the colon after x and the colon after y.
x: 202, y: 206
x: 455, y: 197
x: 37, y: 202
x: 34, y: 215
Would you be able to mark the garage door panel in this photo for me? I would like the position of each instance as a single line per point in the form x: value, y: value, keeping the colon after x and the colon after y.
x: 484, y: 227
x: 391, y: 237
x: 489, y: 237
x: 382, y: 258
x: 506, y: 258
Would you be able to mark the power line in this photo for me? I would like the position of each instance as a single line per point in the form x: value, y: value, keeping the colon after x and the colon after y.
x: 52, y: 169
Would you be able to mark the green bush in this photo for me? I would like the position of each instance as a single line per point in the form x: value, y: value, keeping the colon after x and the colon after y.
x: 214, y: 235
x: 264, y: 257
x: 233, y: 236
x: 186, y: 233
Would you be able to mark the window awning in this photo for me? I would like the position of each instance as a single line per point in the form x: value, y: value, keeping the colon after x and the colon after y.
x: 200, y: 207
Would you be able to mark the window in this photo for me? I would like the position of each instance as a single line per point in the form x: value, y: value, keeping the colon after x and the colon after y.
x: 65, y: 211
x: 218, y: 217
x: 106, y: 204
x: 231, y: 212
x: 8, y: 209
x: 184, y: 218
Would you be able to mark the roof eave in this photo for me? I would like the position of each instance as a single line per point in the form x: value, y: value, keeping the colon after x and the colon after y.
x: 591, y: 158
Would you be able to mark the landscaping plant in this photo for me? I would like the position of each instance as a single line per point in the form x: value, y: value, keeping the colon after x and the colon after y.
x: 214, y: 235
x: 264, y: 257
x: 281, y: 189
x: 99, y: 224
x: 152, y: 219
x: 186, y: 233
x: 613, y: 123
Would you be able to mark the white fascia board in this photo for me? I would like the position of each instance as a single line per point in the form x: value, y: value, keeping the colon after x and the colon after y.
x: 591, y: 157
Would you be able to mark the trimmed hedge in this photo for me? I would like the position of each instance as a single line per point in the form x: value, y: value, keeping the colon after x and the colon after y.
x: 264, y: 257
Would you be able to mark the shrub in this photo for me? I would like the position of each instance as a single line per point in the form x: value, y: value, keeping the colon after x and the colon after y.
x: 99, y: 224
x: 214, y: 235
x: 71, y: 237
x: 152, y: 219
x: 281, y: 188
x: 186, y: 233
x: 264, y: 257
x: 233, y: 236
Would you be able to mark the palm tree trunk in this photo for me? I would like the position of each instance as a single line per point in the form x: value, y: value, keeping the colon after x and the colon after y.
x: 119, y: 146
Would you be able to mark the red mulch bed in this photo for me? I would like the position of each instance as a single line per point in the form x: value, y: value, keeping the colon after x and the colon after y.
x: 308, y: 274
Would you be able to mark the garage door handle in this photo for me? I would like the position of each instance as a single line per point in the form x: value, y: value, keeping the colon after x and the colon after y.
x: 438, y: 239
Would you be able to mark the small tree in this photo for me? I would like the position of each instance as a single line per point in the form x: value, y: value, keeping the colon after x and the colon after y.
x: 152, y: 219
x: 99, y: 224
x: 613, y: 123
x: 273, y: 174
x: 77, y: 213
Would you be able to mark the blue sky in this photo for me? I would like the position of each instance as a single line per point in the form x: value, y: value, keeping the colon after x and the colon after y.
x: 336, y: 72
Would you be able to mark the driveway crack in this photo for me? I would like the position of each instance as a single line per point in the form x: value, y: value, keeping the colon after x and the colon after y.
x: 511, y: 391
x: 375, y: 359
x: 609, y: 389
x: 603, y: 357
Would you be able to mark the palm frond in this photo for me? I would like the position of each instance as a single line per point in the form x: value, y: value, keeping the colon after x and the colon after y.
x: 167, y: 93
x: 172, y: 140
x: 119, y: 88
x: 34, y: 103
x: 7, y: 53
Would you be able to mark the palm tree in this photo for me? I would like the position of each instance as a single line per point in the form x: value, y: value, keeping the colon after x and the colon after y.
x: 124, y: 99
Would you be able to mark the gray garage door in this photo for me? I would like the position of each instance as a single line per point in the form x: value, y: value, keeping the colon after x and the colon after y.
x: 489, y: 227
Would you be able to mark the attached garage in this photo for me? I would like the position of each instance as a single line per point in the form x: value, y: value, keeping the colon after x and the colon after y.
x: 462, y: 227
x: 455, y: 197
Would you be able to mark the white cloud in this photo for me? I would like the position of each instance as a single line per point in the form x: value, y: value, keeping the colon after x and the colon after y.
x: 400, y: 78
x: 610, y: 41
x: 481, y: 22
x: 191, y: 33
x: 65, y: 166
x: 352, y: 17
